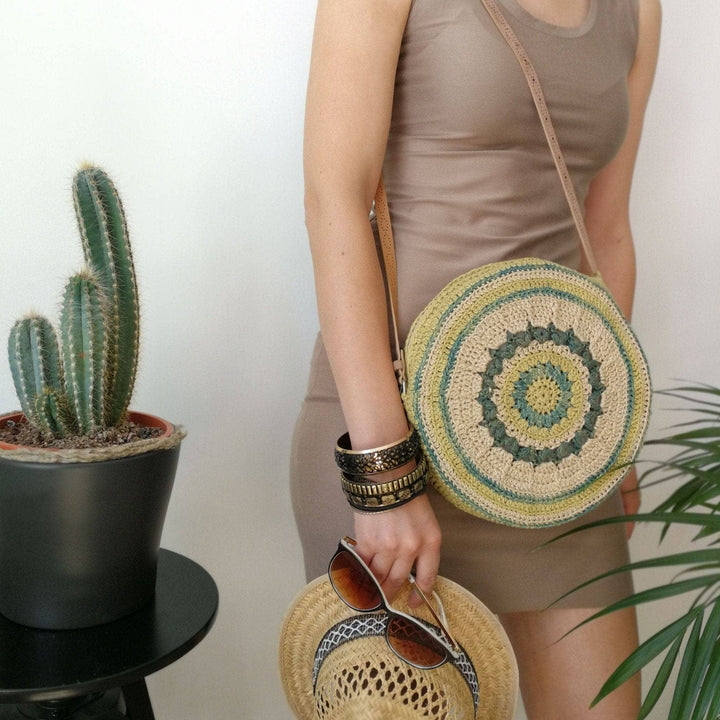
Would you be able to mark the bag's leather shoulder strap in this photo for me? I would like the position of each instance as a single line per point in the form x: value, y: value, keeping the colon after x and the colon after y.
x: 381, y: 204
x: 387, y: 243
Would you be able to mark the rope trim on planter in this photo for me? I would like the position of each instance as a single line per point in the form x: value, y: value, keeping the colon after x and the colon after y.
x: 86, y: 455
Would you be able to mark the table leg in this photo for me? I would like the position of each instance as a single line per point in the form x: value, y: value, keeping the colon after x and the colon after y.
x: 53, y: 709
x: 100, y: 706
x: 137, y: 701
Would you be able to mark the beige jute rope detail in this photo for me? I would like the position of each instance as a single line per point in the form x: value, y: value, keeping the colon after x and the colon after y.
x: 362, y: 679
x: 87, y: 455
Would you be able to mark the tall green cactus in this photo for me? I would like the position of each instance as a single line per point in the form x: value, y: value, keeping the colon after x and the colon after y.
x: 91, y: 388
x: 106, y: 245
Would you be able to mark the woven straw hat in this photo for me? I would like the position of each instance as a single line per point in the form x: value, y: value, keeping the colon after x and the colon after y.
x: 336, y: 665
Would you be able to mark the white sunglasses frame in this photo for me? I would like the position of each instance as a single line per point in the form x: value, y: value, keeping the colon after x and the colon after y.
x: 444, y: 637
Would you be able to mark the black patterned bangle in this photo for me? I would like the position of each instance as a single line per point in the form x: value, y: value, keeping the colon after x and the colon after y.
x: 388, y: 501
x: 381, y: 459
x: 369, y: 489
x: 374, y: 497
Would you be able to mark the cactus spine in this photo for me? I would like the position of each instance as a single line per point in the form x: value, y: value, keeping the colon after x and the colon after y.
x: 91, y: 388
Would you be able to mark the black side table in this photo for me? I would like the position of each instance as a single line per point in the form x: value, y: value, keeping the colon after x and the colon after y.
x: 63, y: 674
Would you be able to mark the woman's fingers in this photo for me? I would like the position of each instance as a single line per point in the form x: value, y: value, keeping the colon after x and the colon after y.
x: 391, y: 564
x: 395, y: 576
x: 630, y: 493
x: 426, y: 568
x: 392, y: 543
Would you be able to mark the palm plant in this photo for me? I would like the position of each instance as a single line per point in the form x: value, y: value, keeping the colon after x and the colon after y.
x: 692, y: 641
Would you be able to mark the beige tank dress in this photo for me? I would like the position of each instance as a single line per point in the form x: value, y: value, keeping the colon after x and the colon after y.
x: 470, y: 180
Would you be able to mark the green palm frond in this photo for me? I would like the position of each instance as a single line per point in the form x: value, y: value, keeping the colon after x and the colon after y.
x: 648, y: 651
x: 691, y: 643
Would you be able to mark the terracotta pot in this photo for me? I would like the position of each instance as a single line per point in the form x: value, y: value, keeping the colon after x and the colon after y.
x: 79, y: 541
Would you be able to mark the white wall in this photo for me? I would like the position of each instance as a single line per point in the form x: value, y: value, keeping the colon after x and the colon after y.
x: 195, y: 109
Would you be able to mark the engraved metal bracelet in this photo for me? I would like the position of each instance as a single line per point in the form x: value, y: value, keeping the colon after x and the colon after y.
x: 375, y: 460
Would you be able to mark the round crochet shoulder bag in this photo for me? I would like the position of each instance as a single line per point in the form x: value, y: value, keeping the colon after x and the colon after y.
x: 527, y: 386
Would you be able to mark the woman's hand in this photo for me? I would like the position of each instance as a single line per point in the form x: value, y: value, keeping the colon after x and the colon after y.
x: 630, y: 493
x: 392, y: 542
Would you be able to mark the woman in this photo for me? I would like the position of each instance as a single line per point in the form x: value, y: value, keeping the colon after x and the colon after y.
x: 426, y: 91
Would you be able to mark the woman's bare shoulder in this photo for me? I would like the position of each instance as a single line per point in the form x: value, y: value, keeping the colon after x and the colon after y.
x: 650, y: 18
x: 396, y: 9
x: 650, y: 21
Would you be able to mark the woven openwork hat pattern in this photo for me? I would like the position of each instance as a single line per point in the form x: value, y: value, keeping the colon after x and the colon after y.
x: 529, y: 391
x: 336, y: 665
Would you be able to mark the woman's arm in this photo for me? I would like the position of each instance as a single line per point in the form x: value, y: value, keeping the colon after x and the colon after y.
x: 349, y: 102
x: 607, y: 205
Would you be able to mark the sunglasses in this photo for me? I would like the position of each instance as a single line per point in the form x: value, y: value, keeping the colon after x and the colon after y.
x: 408, y: 637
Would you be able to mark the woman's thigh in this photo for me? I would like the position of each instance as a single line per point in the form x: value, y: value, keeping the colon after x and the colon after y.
x: 560, y: 676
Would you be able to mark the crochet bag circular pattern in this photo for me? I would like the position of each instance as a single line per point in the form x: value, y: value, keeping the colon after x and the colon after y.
x: 529, y: 391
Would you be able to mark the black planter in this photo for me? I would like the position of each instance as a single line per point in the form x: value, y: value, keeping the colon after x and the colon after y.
x: 79, y: 542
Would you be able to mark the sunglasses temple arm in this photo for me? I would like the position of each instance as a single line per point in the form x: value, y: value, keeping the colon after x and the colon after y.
x: 349, y: 544
x: 440, y: 621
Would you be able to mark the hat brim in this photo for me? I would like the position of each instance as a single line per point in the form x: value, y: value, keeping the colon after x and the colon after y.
x: 317, y: 608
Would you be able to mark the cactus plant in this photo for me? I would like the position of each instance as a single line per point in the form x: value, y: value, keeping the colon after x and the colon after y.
x: 85, y: 350
x: 35, y: 367
x: 106, y: 245
x: 84, y: 383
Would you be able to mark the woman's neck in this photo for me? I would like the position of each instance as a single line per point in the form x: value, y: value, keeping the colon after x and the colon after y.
x: 563, y: 13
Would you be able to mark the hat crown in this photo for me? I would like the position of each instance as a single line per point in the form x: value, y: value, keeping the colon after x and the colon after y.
x: 363, y: 680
